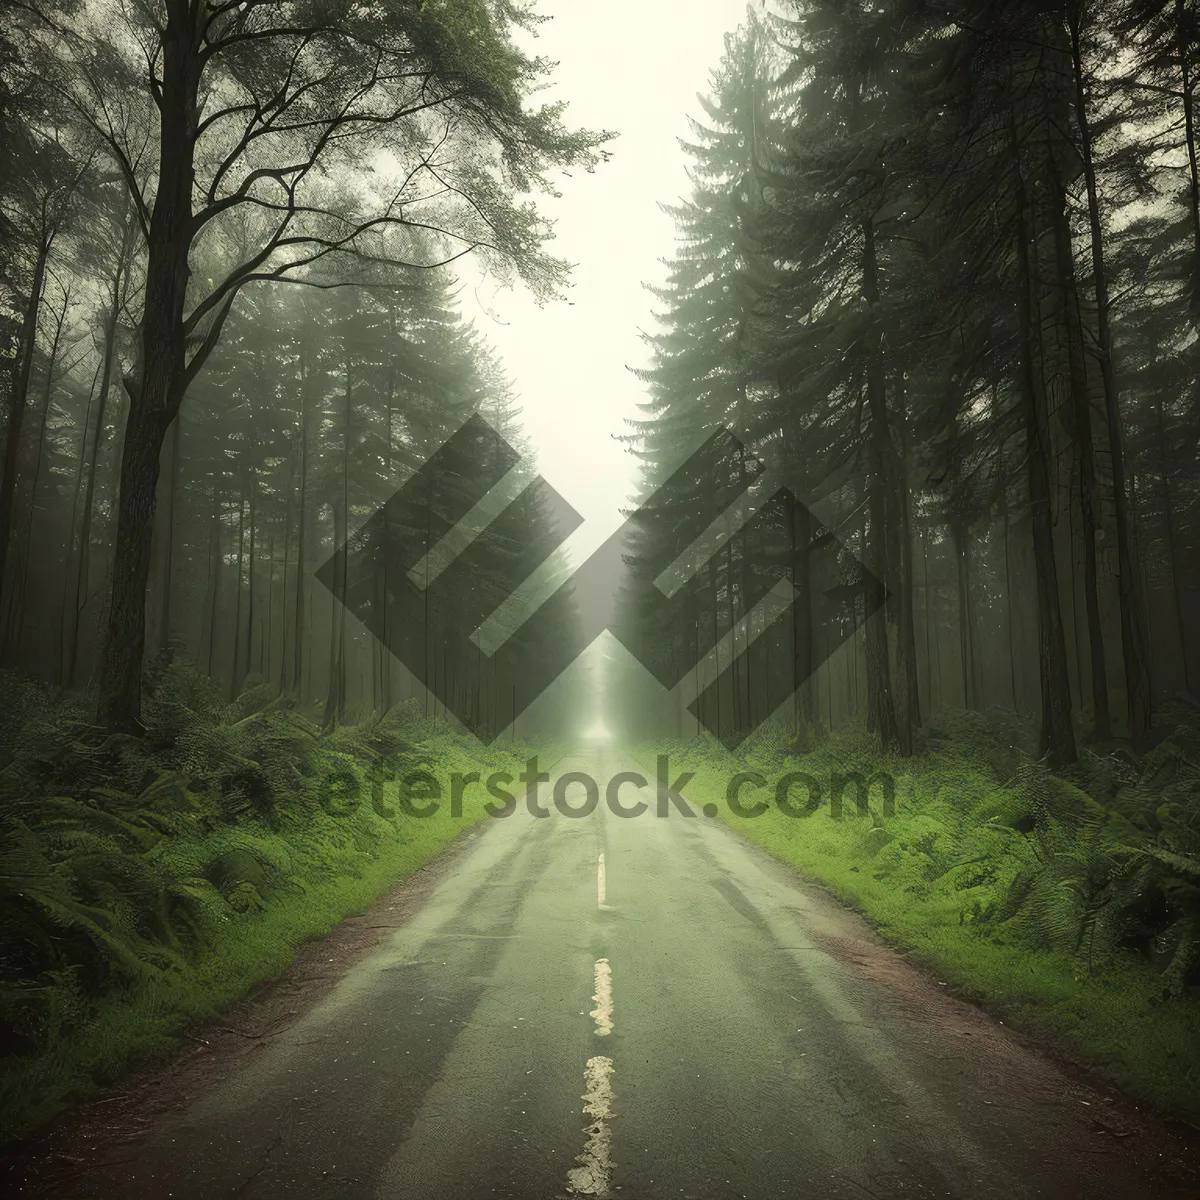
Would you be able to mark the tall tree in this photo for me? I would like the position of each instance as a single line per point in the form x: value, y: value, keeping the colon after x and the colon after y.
x: 263, y: 117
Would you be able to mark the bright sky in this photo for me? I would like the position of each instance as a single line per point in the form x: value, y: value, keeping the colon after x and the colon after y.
x: 635, y: 67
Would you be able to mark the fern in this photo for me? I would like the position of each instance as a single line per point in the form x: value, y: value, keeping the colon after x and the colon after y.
x: 124, y: 857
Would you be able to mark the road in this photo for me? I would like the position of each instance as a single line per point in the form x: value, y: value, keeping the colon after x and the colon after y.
x: 635, y: 1008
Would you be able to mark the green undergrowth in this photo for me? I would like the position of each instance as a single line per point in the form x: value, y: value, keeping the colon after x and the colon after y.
x: 1070, y: 907
x: 146, y: 883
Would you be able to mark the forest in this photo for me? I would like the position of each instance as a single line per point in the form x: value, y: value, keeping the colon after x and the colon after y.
x: 958, y: 258
x: 938, y: 276
x: 229, y: 329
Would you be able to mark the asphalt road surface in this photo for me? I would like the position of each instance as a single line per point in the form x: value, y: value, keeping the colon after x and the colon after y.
x: 636, y: 1008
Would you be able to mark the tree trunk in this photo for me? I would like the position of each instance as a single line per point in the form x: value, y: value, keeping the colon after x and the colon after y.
x: 283, y: 581
x: 17, y: 595
x: 335, y: 699
x: 734, y: 673
x: 235, y: 670
x: 157, y: 390
x: 214, y: 582
x: 1172, y: 539
x: 930, y: 647
x: 300, y: 615
x: 879, y: 673
x: 253, y: 514
x: 168, y: 533
x: 1133, y: 635
x: 1081, y: 429
x: 961, y: 537
x: 85, y: 532
x: 1008, y: 588
x: 76, y: 499
x: 17, y: 398
x: 385, y: 657
x: 933, y: 627
x: 335, y: 704
x: 908, y: 633
x: 120, y: 680
x: 1057, y: 741
x: 267, y: 640
x: 800, y: 533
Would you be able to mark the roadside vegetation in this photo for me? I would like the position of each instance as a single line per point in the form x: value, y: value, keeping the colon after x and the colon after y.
x: 1068, y: 904
x: 170, y: 833
x: 147, y: 882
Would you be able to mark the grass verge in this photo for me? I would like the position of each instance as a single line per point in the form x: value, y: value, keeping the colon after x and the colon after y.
x: 149, y: 883
x: 972, y: 878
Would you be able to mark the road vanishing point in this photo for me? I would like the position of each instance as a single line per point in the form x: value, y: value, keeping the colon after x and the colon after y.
x: 644, y: 1008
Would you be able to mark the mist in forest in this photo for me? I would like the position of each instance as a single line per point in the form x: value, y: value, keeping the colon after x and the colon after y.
x: 431, y: 427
